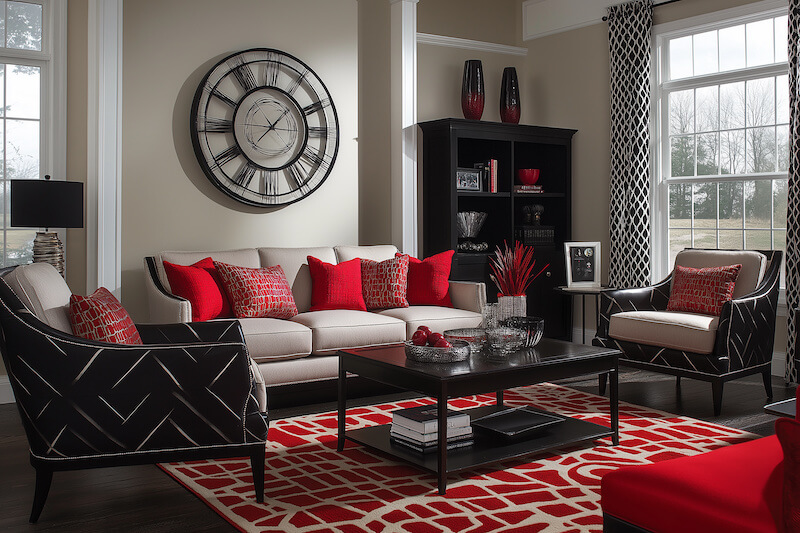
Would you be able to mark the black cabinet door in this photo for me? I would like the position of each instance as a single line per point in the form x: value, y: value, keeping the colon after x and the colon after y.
x: 543, y: 300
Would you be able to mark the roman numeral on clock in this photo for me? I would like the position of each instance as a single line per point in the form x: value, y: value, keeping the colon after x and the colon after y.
x: 297, y: 175
x: 315, y: 158
x: 296, y: 82
x: 227, y: 155
x: 270, y: 179
x: 221, y: 96
x: 217, y: 125
x: 272, y: 70
x: 316, y: 132
x: 316, y: 106
x: 244, y: 175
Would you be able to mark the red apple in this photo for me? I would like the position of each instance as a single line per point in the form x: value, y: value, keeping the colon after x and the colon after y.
x: 420, y: 338
x: 433, y: 338
x: 426, y: 329
x: 443, y: 343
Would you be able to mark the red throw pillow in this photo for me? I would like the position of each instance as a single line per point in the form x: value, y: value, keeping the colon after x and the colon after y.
x: 702, y: 290
x: 201, y: 285
x: 384, y: 284
x: 788, y: 432
x: 257, y: 292
x: 100, y: 317
x: 336, y: 286
x: 429, y: 280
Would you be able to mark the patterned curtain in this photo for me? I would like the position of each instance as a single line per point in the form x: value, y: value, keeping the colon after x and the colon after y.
x: 629, y: 27
x: 793, y: 214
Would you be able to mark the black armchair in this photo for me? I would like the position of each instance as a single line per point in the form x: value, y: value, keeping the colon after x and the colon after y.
x: 744, y: 333
x: 186, y: 394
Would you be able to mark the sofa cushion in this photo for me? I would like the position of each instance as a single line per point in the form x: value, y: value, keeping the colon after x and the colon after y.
x: 44, y: 292
x: 428, y: 280
x: 378, y: 252
x: 246, y: 257
x: 384, y: 284
x: 754, y: 264
x: 735, y: 489
x: 100, y: 317
x: 201, y: 285
x: 295, y: 266
x: 679, y: 331
x: 702, y: 290
x: 345, y: 328
x: 336, y: 286
x: 437, y: 318
x: 271, y: 339
x: 257, y: 292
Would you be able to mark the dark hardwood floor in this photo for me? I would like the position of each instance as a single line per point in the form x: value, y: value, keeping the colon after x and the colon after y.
x: 142, y: 498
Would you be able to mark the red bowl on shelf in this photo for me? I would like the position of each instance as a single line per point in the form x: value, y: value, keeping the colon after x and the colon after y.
x: 528, y: 176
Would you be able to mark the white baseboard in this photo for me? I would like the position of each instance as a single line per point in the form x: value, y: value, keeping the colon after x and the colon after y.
x: 6, y: 394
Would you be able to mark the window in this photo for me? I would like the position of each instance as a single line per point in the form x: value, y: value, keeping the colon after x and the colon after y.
x: 722, y: 158
x: 26, y: 110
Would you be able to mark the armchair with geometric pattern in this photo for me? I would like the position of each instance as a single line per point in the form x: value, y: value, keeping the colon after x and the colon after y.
x: 188, y: 392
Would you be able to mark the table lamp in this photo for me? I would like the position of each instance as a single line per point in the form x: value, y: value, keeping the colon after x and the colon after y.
x: 47, y: 204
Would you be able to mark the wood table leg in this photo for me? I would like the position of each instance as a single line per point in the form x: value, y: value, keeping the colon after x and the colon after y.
x: 442, y: 451
x: 614, y: 400
x: 342, y: 386
x: 499, y: 398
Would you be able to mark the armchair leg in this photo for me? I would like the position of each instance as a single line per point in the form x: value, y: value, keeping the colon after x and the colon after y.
x: 44, y: 477
x: 716, y: 391
x: 677, y: 382
x: 257, y: 466
x: 766, y: 375
x: 603, y: 381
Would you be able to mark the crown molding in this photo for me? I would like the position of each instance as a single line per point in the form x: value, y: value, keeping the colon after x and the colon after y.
x: 469, y: 44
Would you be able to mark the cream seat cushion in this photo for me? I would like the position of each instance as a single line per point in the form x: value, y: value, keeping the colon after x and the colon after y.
x: 680, y: 331
x: 44, y: 292
x: 437, y: 318
x: 270, y: 339
x: 344, y: 328
x: 754, y: 264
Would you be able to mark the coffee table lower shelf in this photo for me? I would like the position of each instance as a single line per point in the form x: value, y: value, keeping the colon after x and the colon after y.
x: 485, y: 450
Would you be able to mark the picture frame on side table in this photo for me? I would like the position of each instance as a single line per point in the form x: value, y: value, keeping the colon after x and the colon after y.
x: 583, y: 264
x: 468, y: 179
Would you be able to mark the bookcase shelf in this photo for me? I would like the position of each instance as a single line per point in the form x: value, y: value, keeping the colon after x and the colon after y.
x: 450, y: 144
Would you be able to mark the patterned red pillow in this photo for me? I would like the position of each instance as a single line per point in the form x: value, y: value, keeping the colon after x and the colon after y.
x: 100, y: 317
x: 201, y: 285
x: 384, y: 284
x: 428, y: 280
x: 788, y: 432
x: 336, y: 286
x: 257, y: 292
x: 702, y: 290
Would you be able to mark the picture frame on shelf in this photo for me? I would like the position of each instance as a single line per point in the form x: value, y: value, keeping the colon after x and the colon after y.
x: 583, y: 264
x: 468, y: 179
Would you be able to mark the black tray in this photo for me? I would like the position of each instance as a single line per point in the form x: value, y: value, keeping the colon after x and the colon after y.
x: 519, y: 422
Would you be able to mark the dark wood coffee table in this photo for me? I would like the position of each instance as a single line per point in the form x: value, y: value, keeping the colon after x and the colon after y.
x: 550, y: 360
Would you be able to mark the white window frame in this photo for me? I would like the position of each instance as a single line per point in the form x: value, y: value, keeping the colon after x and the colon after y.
x: 52, y: 59
x: 659, y: 127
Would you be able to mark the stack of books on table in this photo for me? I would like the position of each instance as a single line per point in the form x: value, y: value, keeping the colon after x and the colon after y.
x: 418, y: 428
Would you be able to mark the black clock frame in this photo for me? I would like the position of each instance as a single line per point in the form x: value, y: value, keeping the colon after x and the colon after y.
x: 196, y: 130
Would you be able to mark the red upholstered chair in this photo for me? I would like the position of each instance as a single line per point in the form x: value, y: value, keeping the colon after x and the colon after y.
x: 735, y: 489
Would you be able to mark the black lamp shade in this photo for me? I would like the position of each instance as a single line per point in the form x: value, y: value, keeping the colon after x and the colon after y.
x: 46, y: 204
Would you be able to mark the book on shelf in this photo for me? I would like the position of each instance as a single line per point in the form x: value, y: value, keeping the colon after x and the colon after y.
x: 530, y: 235
x: 452, y: 444
x: 493, y: 175
x: 528, y: 189
x: 423, y: 418
x: 402, y: 431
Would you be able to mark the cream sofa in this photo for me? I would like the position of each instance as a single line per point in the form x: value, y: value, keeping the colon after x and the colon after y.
x: 303, y: 349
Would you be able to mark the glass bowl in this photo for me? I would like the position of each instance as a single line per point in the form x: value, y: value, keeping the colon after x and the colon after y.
x: 532, y: 325
x: 476, y: 337
x: 505, y: 340
x: 431, y: 354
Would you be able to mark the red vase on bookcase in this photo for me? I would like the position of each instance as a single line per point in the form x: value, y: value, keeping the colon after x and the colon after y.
x: 509, y: 96
x: 472, y: 91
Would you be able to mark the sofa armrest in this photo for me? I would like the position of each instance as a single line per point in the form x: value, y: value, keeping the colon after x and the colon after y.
x: 612, y: 301
x: 226, y: 330
x: 468, y: 295
x: 165, y: 308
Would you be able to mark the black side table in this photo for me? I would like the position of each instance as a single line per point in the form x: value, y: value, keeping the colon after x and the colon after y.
x: 782, y: 408
x: 583, y: 292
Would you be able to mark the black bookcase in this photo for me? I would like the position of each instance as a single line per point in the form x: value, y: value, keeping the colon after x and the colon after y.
x: 451, y: 144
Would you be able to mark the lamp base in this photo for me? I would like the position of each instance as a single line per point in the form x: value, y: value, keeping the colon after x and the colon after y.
x: 47, y: 248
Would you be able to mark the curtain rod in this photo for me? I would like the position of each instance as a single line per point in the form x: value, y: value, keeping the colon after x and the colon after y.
x: 665, y: 2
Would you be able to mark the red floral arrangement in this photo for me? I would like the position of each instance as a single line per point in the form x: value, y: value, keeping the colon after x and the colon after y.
x: 512, y: 268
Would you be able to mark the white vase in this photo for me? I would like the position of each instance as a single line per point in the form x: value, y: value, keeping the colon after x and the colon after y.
x: 512, y: 306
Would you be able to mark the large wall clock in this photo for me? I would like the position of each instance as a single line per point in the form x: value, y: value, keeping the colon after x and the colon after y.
x: 264, y: 127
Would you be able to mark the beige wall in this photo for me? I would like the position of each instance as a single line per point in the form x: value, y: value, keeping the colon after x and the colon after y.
x: 167, y: 202
x: 496, y: 21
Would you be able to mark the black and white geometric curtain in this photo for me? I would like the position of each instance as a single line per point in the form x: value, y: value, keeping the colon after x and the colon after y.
x: 793, y: 212
x: 629, y: 28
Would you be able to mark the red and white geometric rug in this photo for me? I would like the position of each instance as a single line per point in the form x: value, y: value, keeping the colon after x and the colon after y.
x: 310, y: 487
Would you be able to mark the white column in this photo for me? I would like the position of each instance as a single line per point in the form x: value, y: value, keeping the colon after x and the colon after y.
x: 104, y: 157
x: 403, y: 123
